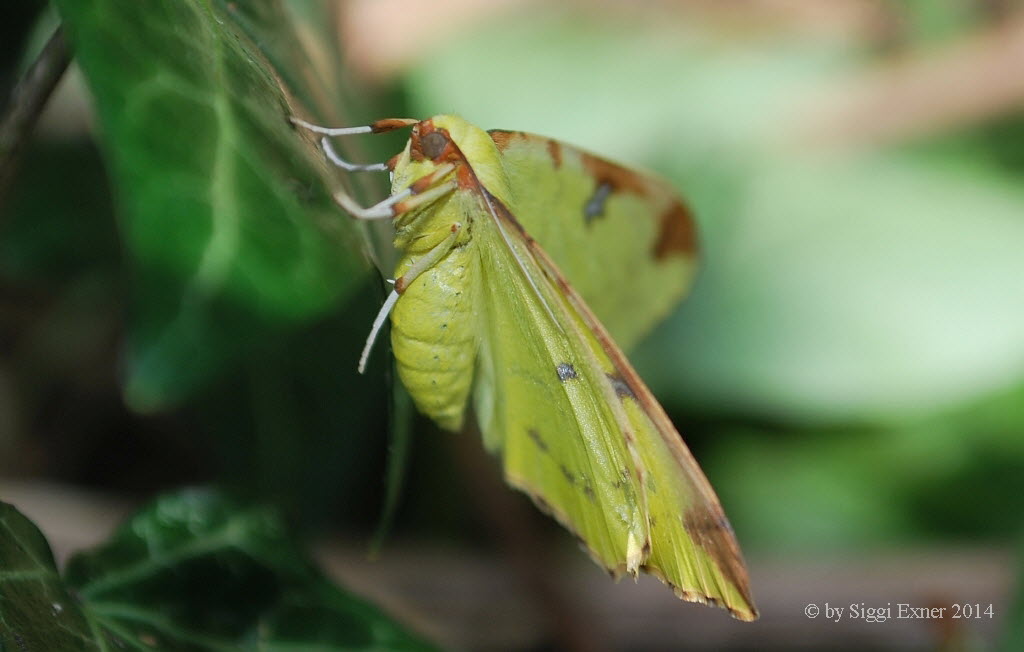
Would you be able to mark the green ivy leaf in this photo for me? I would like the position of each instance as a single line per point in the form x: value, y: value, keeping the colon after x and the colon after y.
x: 226, y: 216
x: 193, y: 571
x: 36, y: 611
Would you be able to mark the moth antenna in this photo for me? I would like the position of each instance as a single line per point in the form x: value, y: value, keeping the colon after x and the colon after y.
x: 378, y: 323
x: 378, y: 127
x: 331, y: 131
x: 345, y: 165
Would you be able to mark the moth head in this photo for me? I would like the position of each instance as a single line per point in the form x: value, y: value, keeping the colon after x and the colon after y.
x: 428, y: 142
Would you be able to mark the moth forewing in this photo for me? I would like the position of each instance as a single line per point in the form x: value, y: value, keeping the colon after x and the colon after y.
x: 693, y: 527
x: 555, y: 435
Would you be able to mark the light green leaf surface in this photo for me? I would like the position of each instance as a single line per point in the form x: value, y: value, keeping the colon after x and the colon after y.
x: 863, y: 289
x: 866, y: 286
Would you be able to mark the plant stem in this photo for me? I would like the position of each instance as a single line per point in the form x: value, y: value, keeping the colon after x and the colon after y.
x: 27, y: 102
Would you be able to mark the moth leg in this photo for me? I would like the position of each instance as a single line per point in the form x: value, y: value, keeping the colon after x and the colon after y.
x: 421, y: 192
x: 379, y: 211
x: 378, y: 323
x: 335, y: 158
x: 401, y: 283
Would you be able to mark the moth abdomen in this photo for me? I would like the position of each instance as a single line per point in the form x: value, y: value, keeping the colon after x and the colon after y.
x: 435, y: 338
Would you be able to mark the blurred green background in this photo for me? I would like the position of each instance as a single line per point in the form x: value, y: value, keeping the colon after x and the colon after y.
x: 849, y: 369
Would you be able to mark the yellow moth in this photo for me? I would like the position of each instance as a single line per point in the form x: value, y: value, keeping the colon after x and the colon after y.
x: 491, y: 226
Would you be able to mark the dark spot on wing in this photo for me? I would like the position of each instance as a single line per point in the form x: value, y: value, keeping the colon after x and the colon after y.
x: 622, y: 389
x: 555, y: 152
x: 588, y: 491
x: 569, y: 475
x: 537, y: 439
x: 565, y: 371
x: 594, y: 208
x: 677, y: 233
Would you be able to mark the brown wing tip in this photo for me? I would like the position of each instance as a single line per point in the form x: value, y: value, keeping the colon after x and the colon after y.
x: 748, y: 616
x: 746, y: 612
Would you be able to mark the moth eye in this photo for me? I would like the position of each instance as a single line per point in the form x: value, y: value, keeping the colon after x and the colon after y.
x: 433, y: 144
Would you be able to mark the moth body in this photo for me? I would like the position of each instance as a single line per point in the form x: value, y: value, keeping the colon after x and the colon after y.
x: 434, y: 331
x: 436, y: 323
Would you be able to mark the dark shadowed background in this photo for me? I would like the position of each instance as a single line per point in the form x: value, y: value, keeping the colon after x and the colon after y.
x: 849, y: 369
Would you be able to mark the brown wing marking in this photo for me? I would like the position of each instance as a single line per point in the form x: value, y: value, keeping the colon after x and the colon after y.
x: 677, y: 232
x: 502, y: 138
x: 619, y: 178
x: 555, y: 152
